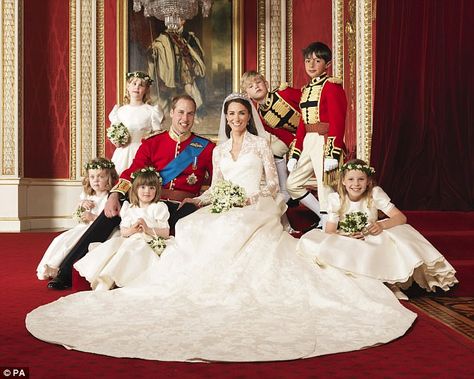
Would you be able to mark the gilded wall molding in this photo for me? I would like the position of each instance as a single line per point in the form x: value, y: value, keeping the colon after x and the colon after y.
x: 100, y: 70
x: 87, y: 83
x: 261, y: 35
x: 289, y: 42
x: 364, y: 78
x: 338, y: 38
x: 11, y: 119
x: 275, y: 40
x: 72, y: 89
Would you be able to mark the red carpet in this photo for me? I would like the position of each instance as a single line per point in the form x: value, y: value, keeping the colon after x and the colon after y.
x: 429, y: 349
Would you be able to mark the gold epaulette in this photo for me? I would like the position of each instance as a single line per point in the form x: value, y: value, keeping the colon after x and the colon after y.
x: 283, y: 86
x: 122, y: 186
x: 155, y: 133
x: 335, y: 80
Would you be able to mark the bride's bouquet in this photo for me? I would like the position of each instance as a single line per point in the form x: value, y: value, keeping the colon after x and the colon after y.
x: 158, y: 244
x: 118, y: 134
x: 353, y: 222
x: 226, y: 195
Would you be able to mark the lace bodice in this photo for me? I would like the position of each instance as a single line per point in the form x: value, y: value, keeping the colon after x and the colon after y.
x: 140, y: 120
x: 380, y: 201
x: 254, y: 169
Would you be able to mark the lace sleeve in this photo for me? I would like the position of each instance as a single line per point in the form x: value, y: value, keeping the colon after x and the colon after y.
x: 270, y: 186
x: 205, y: 197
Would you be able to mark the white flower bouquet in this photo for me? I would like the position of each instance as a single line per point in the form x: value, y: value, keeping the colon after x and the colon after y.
x: 226, y: 195
x: 353, y: 222
x: 77, y: 215
x: 158, y: 244
x: 118, y: 134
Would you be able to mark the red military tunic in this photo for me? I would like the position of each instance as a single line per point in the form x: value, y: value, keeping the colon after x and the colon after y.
x: 158, y: 151
x: 280, y: 113
x: 323, y: 100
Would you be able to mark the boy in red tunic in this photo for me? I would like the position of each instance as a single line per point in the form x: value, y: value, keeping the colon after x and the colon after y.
x: 319, y: 147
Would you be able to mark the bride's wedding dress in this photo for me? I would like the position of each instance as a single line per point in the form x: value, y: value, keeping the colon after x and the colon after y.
x: 230, y: 287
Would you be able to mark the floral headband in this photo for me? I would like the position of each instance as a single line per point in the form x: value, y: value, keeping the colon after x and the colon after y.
x: 140, y: 75
x: 358, y: 166
x: 99, y: 164
x: 144, y: 170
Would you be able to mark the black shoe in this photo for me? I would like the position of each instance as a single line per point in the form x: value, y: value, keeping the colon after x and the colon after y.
x: 59, y: 283
x: 291, y: 203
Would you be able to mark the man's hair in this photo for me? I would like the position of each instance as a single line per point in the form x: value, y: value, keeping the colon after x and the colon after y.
x: 249, y: 77
x: 319, y: 49
x: 182, y: 97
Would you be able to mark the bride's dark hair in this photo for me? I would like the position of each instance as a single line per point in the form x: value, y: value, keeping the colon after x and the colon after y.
x: 251, y: 125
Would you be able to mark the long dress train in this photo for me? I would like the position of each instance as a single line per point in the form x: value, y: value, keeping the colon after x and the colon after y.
x: 229, y: 288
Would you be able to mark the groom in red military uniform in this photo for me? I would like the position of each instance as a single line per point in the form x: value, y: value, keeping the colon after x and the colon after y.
x: 183, y: 159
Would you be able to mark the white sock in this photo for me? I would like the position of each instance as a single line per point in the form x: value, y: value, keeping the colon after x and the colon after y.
x: 282, y: 171
x: 310, y: 202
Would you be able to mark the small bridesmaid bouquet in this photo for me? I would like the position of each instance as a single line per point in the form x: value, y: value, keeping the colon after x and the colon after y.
x: 158, y: 244
x: 77, y: 215
x: 354, y: 222
x: 226, y: 195
x: 118, y: 134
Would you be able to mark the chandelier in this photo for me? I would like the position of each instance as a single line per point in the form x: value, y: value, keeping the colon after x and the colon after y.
x: 172, y: 12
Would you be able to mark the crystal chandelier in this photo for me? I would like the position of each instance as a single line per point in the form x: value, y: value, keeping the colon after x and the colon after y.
x: 172, y: 12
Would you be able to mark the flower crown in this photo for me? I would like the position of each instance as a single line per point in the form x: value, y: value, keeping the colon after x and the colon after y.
x: 358, y: 166
x: 141, y: 75
x: 144, y: 170
x: 99, y: 164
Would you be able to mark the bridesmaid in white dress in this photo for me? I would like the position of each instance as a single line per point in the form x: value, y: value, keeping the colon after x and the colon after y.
x: 120, y: 260
x: 388, y: 250
x: 140, y: 118
x: 100, y: 178
x: 231, y: 287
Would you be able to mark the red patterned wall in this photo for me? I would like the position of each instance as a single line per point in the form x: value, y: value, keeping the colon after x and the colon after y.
x: 250, y: 35
x: 311, y: 22
x: 46, y: 89
x: 110, y: 30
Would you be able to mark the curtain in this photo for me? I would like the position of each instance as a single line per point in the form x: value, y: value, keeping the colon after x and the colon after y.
x: 422, y: 144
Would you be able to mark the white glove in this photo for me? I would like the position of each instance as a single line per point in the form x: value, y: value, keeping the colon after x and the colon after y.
x: 330, y: 164
x: 291, y: 165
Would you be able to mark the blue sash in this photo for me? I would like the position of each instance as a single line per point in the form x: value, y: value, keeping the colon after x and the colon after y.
x: 184, y: 159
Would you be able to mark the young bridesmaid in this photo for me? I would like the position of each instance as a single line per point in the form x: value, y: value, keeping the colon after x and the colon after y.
x: 389, y: 249
x: 100, y: 178
x: 140, y: 119
x: 119, y: 260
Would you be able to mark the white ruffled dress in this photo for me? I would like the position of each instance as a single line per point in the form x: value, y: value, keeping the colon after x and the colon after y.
x: 398, y: 255
x: 141, y: 121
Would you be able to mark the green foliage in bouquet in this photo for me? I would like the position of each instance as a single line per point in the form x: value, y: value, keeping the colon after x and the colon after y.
x: 226, y: 195
x: 118, y: 134
x: 353, y: 222
x: 158, y: 244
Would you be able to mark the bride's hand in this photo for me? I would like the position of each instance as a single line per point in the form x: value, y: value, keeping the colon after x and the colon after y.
x: 192, y: 200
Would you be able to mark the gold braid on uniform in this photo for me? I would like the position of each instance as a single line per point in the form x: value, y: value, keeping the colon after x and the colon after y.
x: 122, y: 186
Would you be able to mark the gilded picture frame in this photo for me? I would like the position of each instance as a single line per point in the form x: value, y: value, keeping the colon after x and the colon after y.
x: 220, y: 37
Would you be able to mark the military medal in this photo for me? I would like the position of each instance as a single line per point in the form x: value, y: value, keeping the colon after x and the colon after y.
x: 195, y: 163
x: 192, y: 179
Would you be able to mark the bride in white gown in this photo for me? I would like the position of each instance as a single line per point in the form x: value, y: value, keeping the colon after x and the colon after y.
x: 231, y: 286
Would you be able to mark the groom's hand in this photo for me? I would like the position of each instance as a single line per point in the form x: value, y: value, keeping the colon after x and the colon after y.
x: 112, y: 206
